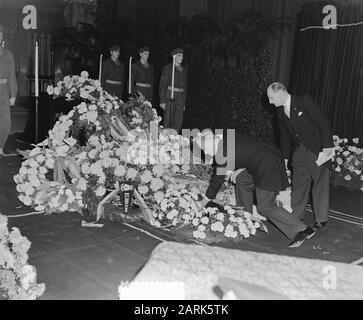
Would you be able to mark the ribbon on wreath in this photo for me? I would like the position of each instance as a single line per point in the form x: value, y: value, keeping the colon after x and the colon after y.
x: 65, y: 164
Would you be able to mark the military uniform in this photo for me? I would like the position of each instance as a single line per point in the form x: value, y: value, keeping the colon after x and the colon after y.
x: 173, y: 114
x: 142, y: 79
x: 113, y: 77
x: 8, y: 89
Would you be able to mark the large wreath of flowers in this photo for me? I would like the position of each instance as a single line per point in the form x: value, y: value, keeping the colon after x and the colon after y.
x: 103, y: 141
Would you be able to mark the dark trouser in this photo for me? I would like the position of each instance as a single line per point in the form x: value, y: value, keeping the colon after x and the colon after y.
x: 306, y: 175
x: 5, y: 119
x: 173, y: 114
x: 114, y: 89
x: 266, y: 205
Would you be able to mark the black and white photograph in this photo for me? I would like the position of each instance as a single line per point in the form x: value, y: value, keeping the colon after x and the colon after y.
x: 176, y: 155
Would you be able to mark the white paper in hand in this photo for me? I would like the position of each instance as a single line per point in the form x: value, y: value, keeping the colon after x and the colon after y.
x: 322, y: 158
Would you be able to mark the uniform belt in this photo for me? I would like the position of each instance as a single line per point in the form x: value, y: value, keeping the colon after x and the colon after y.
x: 177, y: 89
x: 144, y: 85
x: 3, y: 81
x: 113, y: 81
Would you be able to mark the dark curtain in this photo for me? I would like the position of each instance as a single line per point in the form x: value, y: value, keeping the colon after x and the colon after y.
x: 328, y: 65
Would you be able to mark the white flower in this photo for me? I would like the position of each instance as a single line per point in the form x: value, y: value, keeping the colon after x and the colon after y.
x: 199, y: 235
x: 158, y: 196
x: 157, y: 224
x: 120, y: 171
x: 355, y: 140
x: 91, y: 116
x: 220, y: 216
x: 35, y: 151
x: 339, y: 161
x: 338, y: 169
x: 50, y: 90
x: 82, y: 108
x: 243, y: 230
x: 156, y: 184
x: 143, y: 189
x: 217, y: 226
x: 93, y: 140
x: 84, y: 74
x: 40, y: 158
x: 195, y: 222
x: 201, y: 228
x: 146, y: 177
x: 100, y: 191
x: 348, y: 177
x: 70, y: 196
x: 56, y: 91
x: 199, y: 214
x: 346, y: 153
x: 62, y: 150
x: 26, y: 200
x: 92, y: 154
x: 82, y: 184
x: 131, y: 173
x: 204, y: 220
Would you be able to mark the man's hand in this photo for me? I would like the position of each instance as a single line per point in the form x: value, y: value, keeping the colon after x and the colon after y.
x: 235, y: 173
x: 162, y: 106
x: 286, y: 163
x: 12, y: 101
x: 328, y: 151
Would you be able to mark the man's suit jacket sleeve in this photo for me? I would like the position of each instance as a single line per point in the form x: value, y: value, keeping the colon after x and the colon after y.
x: 215, y: 185
x: 285, y: 139
x: 320, y: 120
x: 13, y: 84
x: 163, y: 86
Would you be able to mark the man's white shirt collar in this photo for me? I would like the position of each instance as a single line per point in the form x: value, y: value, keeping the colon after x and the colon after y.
x: 287, y: 106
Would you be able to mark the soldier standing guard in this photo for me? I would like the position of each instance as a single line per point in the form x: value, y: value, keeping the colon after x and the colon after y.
x: 173, y: 108
x: 113, y: 73
x: 8, y: 91
x: 142, y: 75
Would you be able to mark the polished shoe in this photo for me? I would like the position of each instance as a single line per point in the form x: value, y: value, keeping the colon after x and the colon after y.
x: 320, y: 225
x: 301, y: 237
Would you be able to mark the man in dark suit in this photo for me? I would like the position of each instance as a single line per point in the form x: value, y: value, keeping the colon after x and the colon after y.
x: 305, y: 132
x: 113, y: 73
x: 142, y: 75
x: 255, y: 165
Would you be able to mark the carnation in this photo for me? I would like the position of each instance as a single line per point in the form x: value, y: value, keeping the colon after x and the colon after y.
x: 143, y: 189
x: 100, y: 191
